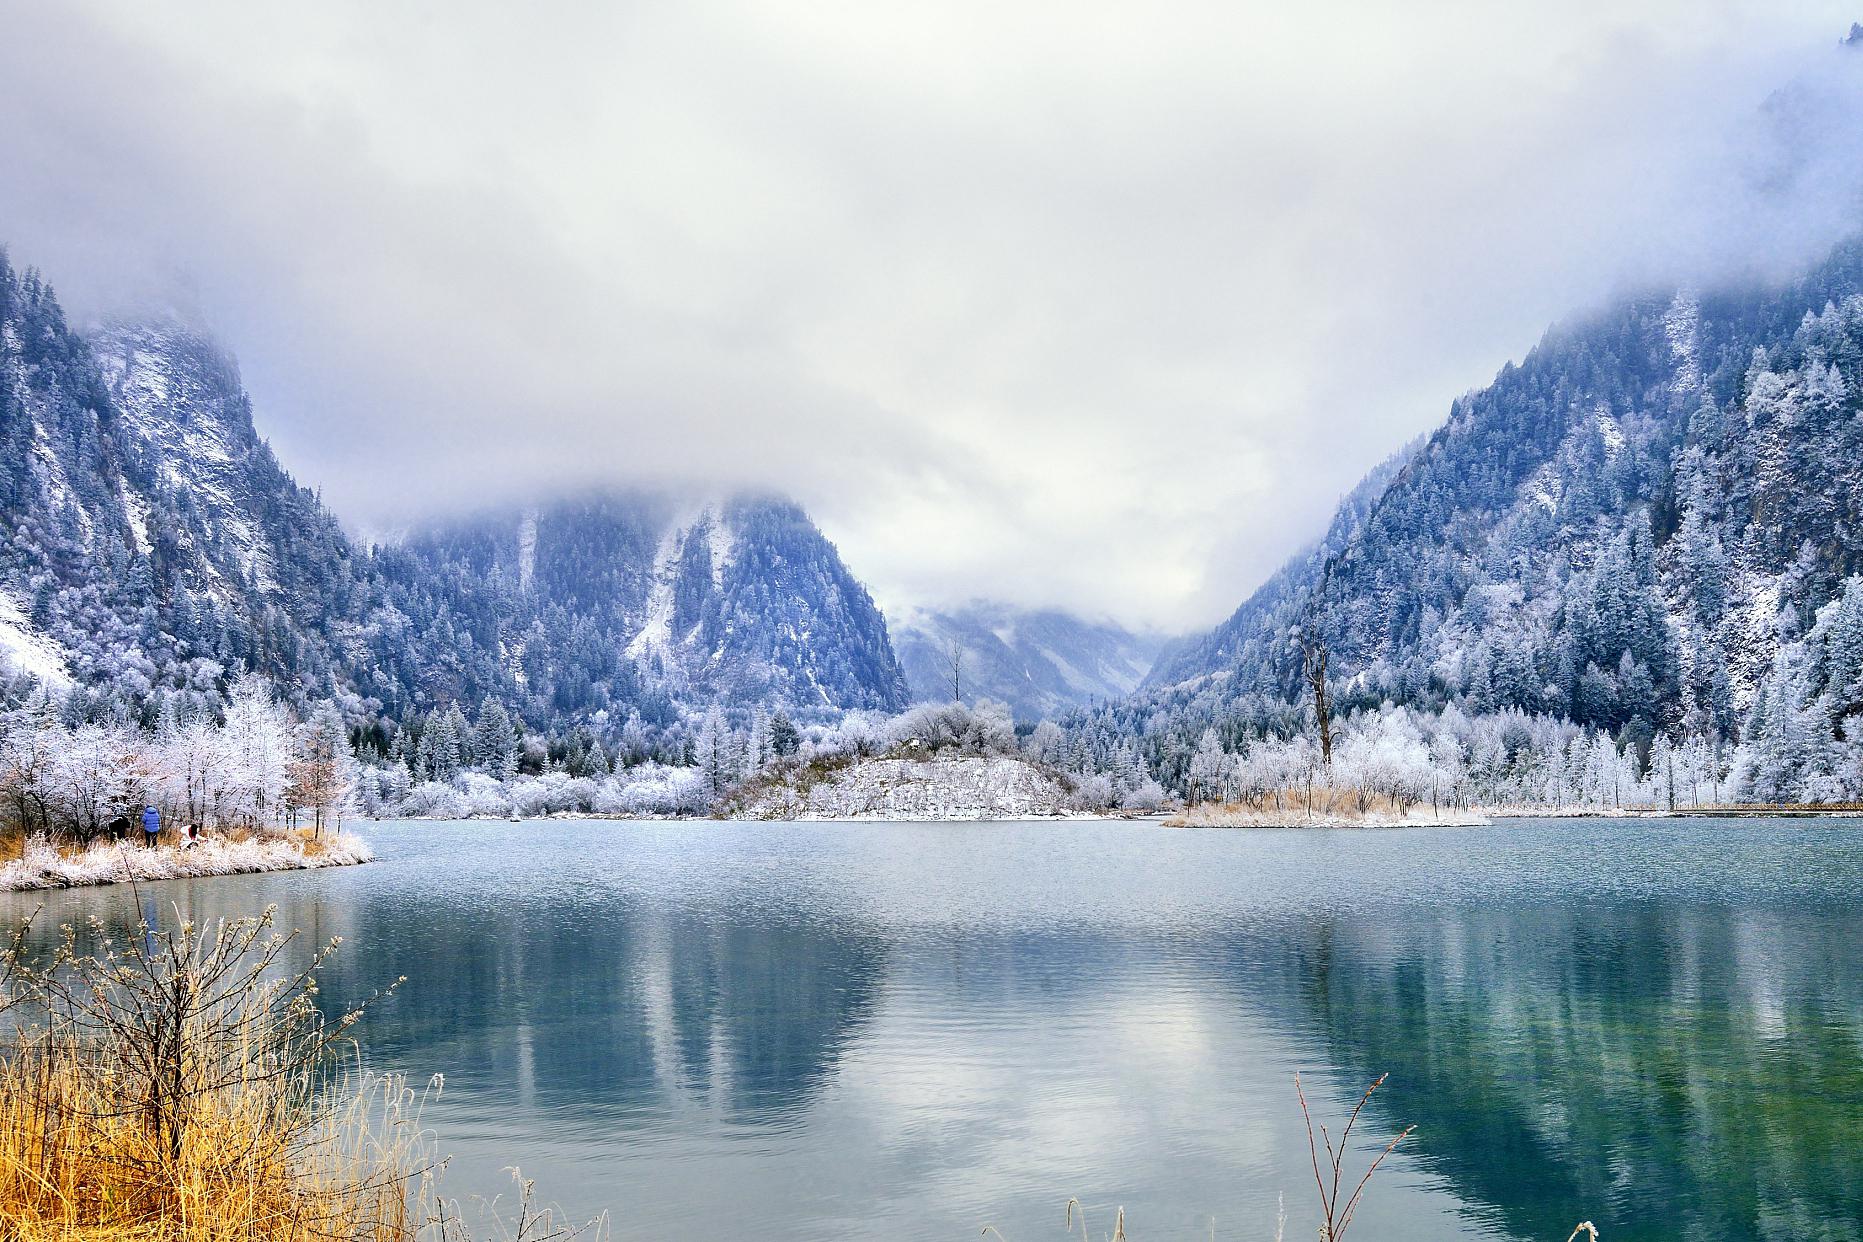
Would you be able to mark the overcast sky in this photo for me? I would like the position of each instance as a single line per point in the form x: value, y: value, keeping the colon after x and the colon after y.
x: 1093, y: 305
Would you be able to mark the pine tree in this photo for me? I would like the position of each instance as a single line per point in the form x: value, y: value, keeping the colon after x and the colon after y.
x: 494, y: 741
x: 785, y: 740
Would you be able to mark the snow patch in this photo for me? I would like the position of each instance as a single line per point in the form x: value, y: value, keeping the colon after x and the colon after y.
x: 137, y: 508
x: 28, y: 650
x: 1682, y: 325
x: 656, y: 631
x: 1610, y: 433
x: 721, y: 543
x: 527, y: 548
x: 1544, y: 489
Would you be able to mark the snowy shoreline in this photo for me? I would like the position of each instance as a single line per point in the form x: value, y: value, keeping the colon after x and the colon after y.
x: 42, y: 866
x: 1215, y: 816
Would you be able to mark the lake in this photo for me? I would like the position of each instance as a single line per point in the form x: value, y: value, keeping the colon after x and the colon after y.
x: 816, y: 1031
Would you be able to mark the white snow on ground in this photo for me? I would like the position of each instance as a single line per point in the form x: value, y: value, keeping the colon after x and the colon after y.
x: 919, y: 789
x: 656, y: 631
x: 527, y: 549
x: 112, y: 863
x: 722, y: 543
x: 30, y: 651
x: 1610, y: 432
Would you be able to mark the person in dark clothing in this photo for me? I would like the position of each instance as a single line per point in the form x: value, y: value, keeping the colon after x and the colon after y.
x: 151, y: 825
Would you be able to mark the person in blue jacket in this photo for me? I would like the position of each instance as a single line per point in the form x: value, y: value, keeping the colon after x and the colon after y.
x: 151, y: 825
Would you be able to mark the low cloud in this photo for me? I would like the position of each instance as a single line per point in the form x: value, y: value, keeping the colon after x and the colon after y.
x: 1074, y: 306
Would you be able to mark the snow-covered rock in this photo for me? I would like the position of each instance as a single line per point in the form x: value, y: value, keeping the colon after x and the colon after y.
x: 944, y: 788
x: 44, y: 866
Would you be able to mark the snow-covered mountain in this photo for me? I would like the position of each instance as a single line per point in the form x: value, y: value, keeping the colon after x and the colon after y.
x: 151, y: 538
x: 1625, y: 529
x: 1038, y: 662
x: 152, y: 546
x: 739, y: 601
x: 1634, y: 527
x: 184, y: 412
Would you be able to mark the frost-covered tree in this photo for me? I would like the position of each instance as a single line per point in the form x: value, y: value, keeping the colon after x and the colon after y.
x: 323, y: 770
x: 715, y: 759
x: 784, y: 740
x: 197, y: 762
x: 258, y: 744
x: 494, y: 741
x: 1209, y: 768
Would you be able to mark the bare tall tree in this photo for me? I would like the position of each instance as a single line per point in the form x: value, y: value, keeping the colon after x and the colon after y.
x: 957, y: 672
x: 1313, y: 668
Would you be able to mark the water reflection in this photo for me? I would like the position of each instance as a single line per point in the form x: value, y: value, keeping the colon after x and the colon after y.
x: 823, y: 1030
x: 1676, y: 1072
x: 624, y: 1010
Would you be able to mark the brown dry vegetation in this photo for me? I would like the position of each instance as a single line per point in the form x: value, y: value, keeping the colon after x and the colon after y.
x: 184, y: 1087
x: 13, y: 840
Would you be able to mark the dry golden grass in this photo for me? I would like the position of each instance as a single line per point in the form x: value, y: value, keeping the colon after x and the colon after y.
x: 181, y: 1085
x: 180, y: 1088
x: 75, y: 1165
x: 13, y: 840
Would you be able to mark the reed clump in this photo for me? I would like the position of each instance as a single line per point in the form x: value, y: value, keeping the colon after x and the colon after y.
x: 184, y: 1087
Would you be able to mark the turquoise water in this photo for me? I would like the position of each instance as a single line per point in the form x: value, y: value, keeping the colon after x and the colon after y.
x: 892, y: 1031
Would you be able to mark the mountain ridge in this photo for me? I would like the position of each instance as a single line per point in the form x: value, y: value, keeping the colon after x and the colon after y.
x: 1624, y: 528
x: 1037, y: 661
x: 153, y: 546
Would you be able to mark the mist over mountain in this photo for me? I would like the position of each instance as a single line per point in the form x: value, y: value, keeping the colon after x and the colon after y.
x: 1645, y: 526
x: 152, y: 539
x: 738, y: 601
x: 1038, y: 662
x: 1279, y: 603
x: 155, y: 548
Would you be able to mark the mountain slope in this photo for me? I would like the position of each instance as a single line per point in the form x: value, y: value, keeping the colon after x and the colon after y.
x: 740, y: 602
x: 1625, y: 528
x: 151, y: 537
x: 152, y: 547
x: 1039, y: 663
x: 1622, y: 528
x: 1276, y: 605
